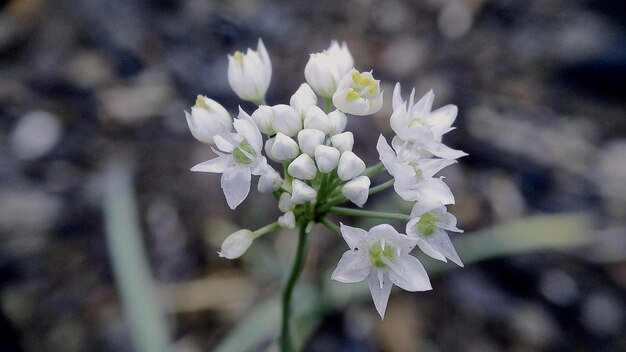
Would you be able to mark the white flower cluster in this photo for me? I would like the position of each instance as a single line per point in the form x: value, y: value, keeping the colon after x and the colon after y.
x: 320, y: 169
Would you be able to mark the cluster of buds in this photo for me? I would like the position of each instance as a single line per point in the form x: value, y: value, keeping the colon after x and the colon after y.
x: 310, y: 146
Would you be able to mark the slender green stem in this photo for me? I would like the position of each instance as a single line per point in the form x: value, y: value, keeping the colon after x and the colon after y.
x: 373, y: 170
x: 265, y: 229
x: 296, y: 270
x: 330, y: 225
x: 368, y: 214
x: 381, y: 187
x: 328, y: 104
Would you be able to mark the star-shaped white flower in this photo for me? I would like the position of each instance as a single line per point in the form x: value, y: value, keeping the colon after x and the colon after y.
x: 413, y: 175
x: 417, y: 124
x: 429, y: 222
x: 239, y: 157
x: 382, y: 256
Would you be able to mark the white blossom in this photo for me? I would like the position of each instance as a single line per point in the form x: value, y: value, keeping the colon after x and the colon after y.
x: 358, y: 94
x: 249, y: 74
x: 357, y: 190
x: 350, y: 166
x: 343, y: 141
x: 269, y: 181
x: 429, y: 222
x: 341, y: 56
x: 301, y: 192
x: 236, y: 244
x: 263, y: 116
x: 315, y: 118
x: 284, y: 148
x: 338, y: 121
x: 207, y: 119
x: 239, y: 157
x: 322, y: 73
x: 310, y: 138
x: 287, y: 221
x: 303, y: 98
x: 413, y: 175
x: 284, y: 202
x: 382, y: 256
x: 302, y: 167
x: 286, y: 120
x: 326, y: 158
x: 417, y: 124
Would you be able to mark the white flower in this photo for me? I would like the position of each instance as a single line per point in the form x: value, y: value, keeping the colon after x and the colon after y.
x: 301, y: 192
x: 278, y: 118
x: 302, y: 167
x: 236, y: 244
x: 239, y: 157
x: 428, y: 224
x: 310, y: 138
x: 338, y: 121
x: 326, y: 158
x: 303, y: 98
x: 358, y: 94
x: 350, y: 166
x: 287, y: 221
x: 264, y: 119
x: 357, y: 190
x: 284, y: 148
x: 207, y: 119
x: 315, y: 118
x: 286, y: 120
x: 382, y: 256
x: 416, y: 124
x: 269, y: 181
x: 341, y: 56
x: 413, y: 175
x: 249, y: 74
x: 343, y: 141
x: 284, y: 202
x: 322, y: 73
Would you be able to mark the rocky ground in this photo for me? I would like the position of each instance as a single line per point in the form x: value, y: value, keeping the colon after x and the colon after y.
x: 87, y: 83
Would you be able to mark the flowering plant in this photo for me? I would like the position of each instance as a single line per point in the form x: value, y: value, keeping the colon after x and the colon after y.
x: 320, y: 171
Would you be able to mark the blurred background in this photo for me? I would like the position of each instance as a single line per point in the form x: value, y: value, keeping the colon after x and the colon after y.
x: 93, y: 137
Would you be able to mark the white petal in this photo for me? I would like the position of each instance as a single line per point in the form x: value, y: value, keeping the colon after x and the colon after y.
x: 326, y: 158
x: 357, y: 190
x: 423, y: 106
x: 435, y: 190
x: 302, y: 167
x: 429, y: 167
x: 380, y: 288
x: 236, y: 185
x: 387, y: 155
x: 397, y: 97
x: 408, y: 273
x: 350, y: 166
x: 236, y: 244
x: 245, y: 126
x: 353, y: 235
x: 443, y: 151
x: 216, y: 165
x: 301, y: 192
x: 430, y: 251
x: 442, y: 119
x: 440, y: 242
x: 352, y: 267
x: 422, y: 207
x: 223, y: 143
x: 343, y: 141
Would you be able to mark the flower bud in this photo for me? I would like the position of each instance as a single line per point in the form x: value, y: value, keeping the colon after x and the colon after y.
x: 350, y: 166
x: 249, y: 74
x: 287, y: 221
x: 358, y: 94
x: 338, y: 121
x: 207, y: 119
x: 301, y: 192
x: 357, y: 190
x: 264, y: 118
x: 315, y: 118
x: 236, y: 244
x: 303, y: 168
x: 303, y: 98
x: 326, y: 158
x: 322, y: 74
x: 284, y: 148
x: 269, y: 143
x: 341, y: 55
x: 284, y: 202
x: 343, y: 141
x: 269, y: 181
x: 286, y: 120
x: 308, y: 139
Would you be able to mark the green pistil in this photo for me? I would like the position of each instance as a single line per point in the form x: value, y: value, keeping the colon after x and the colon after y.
x: 238, y: 56
x: 418, y: 171
x: 426, y: 226
x: 200, y: 103
x: 377, y: 253
x: 352, y: 95
x: 240, y: 156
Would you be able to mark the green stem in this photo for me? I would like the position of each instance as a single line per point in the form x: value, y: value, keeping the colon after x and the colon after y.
x: 381, y: 187
x: 330, y: 225
x: 328, y: 104
x: 296, y: 270
x: 373, y: 170
x: 265, y: 229
x: 368, y: 214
